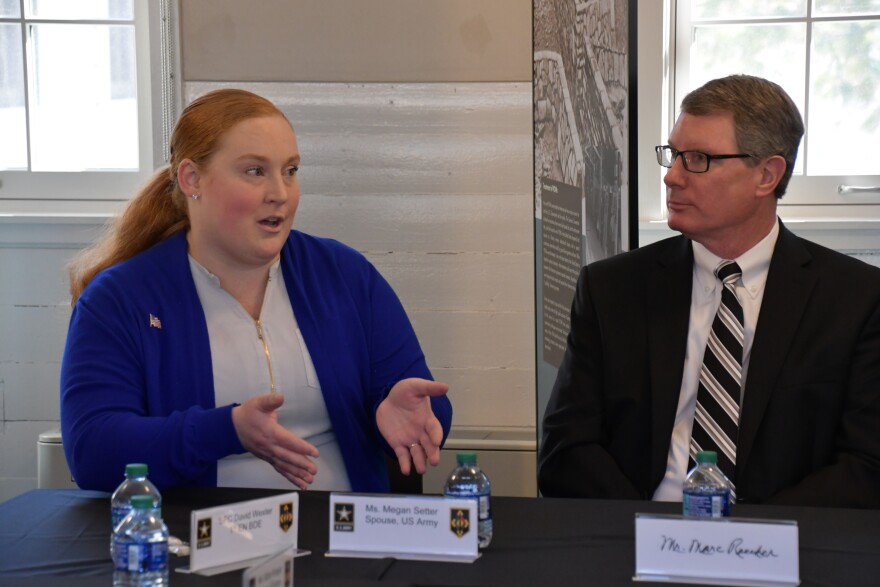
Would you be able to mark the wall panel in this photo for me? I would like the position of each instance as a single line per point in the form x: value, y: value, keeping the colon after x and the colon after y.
x: 357, y: 40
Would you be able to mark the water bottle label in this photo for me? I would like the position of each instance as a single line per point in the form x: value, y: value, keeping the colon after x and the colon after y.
x: 706, y: 506
x: 118, y: 514
x: 485, y: 507
x: 141, y: 558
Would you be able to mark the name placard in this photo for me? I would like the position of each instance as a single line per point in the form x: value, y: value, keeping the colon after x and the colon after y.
x: 718, y: 551
x: 274, y: 571
x: 237, y: 535
x: 406, y: 527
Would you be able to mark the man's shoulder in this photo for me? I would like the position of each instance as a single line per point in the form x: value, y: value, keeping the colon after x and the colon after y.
x: 672, y: 249
x: 829, y: 261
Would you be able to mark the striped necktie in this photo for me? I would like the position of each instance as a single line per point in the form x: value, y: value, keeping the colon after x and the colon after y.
x: 716, y: 420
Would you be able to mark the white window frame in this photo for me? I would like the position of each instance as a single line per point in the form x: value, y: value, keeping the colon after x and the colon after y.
x: 27, y: 194
x: 847, y: 223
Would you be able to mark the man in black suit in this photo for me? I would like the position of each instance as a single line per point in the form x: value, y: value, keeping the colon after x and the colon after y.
x: 618, y: 423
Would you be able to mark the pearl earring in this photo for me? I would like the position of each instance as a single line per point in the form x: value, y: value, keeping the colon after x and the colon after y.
x: 195, y: 196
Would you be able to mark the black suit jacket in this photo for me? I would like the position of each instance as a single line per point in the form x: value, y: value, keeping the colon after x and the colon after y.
x: 810, y: 420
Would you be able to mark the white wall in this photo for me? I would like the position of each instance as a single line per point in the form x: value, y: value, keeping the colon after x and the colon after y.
x: 34, y: 310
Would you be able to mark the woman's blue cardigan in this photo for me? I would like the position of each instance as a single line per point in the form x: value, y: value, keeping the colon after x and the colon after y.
x: 137, y: 382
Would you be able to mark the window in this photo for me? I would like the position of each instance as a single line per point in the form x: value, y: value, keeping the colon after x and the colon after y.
x: 79, y: 111
x: 826, y: 54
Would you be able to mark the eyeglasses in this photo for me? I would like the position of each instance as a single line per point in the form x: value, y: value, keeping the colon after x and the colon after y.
x: 693, y: 161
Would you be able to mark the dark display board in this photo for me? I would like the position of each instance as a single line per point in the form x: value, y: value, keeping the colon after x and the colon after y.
x: 585, y: 165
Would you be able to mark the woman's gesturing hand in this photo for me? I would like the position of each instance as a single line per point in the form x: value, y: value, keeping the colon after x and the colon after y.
x: 256, y: 423
x: 407, y: 422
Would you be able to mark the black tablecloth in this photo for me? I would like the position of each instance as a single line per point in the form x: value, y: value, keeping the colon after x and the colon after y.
x: 61, y: 537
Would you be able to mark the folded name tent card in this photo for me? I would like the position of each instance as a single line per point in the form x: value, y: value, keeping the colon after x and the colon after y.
x: 406, y: 527
x: 717, y: 551
x: 273, y: 571
x: 237, y: 535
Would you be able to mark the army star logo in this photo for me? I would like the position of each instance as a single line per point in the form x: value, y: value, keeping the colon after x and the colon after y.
x: 203, y: 536
x: 343, y: 517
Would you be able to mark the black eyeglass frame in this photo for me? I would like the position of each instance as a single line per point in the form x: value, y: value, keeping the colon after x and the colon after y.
x: 684, y: 160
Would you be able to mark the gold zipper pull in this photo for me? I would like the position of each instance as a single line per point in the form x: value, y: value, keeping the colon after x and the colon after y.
x: 268, y: 357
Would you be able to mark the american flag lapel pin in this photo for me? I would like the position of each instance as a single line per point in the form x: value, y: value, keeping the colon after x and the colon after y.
x: 155, y: 322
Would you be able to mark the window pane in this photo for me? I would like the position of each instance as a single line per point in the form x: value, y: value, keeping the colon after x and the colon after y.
x: 81, y: 9
x: 844, y: 119
x: 13, y: 146
x: 83, y: 100
x: 772, y: 51
x: 845, y: 7
x: 725, y: 9
x: 9, y: 9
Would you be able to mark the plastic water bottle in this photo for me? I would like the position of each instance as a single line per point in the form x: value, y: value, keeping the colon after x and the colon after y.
x: 467, y: 480
x: 136, y: 483
x: 706, y: 491
x: 140, y: 547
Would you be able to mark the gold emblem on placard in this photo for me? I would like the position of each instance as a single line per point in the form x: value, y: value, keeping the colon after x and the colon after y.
x: 155, y: 322
x: 285, y: 516
x: 460, y: 521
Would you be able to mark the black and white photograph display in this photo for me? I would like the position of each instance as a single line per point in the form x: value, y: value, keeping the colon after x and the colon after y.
x: 581, y: 77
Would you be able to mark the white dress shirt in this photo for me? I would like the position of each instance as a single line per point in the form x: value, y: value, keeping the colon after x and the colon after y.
x: 705, y: 299
x: 241, y: 371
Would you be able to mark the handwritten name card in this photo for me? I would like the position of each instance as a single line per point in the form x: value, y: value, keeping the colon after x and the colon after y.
x: 720, y: 551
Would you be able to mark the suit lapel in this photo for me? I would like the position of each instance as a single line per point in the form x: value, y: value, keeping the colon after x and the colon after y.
x: 669, y: 300
x: 789, y: 286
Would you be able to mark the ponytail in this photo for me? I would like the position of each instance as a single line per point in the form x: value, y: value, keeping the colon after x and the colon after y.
x: 154, y: 214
